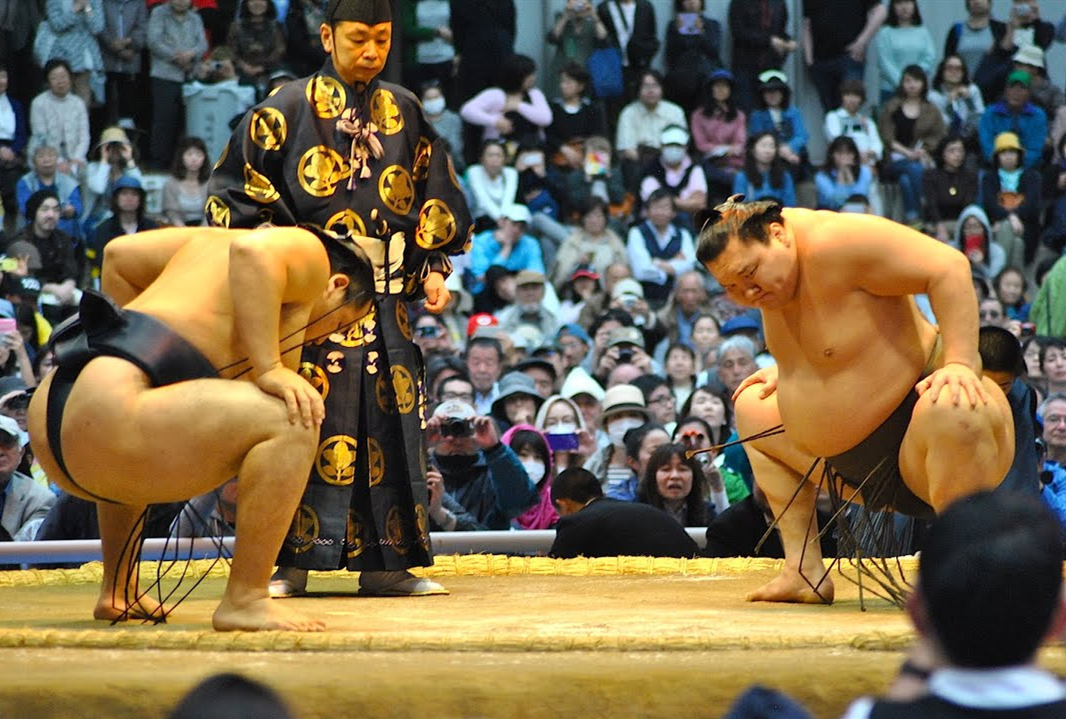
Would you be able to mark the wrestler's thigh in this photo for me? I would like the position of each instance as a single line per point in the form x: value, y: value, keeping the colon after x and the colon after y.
x: 145, y: 445
x: 755, y: 415
x: 972, y: 448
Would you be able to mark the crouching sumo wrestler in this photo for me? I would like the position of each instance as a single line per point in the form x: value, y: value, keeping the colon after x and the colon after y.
x: 143, y: 406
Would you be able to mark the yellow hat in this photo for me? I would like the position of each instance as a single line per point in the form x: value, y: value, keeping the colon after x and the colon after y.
x: 113, y: 134
x: 1006, y: 141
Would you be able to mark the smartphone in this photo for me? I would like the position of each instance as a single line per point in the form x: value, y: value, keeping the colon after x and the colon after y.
x: 562, y: 442
x: 8, y: 325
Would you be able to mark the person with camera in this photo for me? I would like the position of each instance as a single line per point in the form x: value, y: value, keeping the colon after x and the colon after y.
x: 625, y: 346
x: 484, y: 475
x: 446, y: 514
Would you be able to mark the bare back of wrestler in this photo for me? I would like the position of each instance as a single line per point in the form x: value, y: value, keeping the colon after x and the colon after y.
x: 234, y: 295
x: 836, y: 293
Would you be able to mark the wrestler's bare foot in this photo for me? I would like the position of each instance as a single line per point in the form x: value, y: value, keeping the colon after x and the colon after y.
x: 109, y: 608
x: 791, y: 586
x: 261, y: 614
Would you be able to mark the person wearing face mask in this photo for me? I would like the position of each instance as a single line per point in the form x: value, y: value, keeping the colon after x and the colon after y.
x: 675, y: 171
x: 533, y: 452
x: 623, y: 410
x: 479, y: 471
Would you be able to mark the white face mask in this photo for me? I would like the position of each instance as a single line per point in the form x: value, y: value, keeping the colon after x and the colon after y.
x: 534, y: 468
x: 673, y: 154
x: 617, y: 429
x: 563, y: 428
x: 434, y: 106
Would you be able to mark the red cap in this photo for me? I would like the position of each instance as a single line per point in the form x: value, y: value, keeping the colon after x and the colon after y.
x: 481, y: 319
x: 584, y: 272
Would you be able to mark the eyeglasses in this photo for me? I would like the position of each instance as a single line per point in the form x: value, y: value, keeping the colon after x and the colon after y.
x: 990, y: 315
x: 664, y: 399
x: 461, y: 396
x: 428, y: 331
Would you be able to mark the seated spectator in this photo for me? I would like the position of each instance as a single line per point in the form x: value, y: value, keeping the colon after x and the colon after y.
x: 445, y: 512
x: 113, y: 157
x: 719, y: 133
x: 25, y: 503
x: 497, y: 291
x: 692, y: 52
x: 531, y: 446
x: 213, y: 514
x: 900, y: 42
x: 575, y: 118
x: 1048, y: 312
x: 741, y: 531
x: 591, y: 525
x: 1025, y: 27
x: 517, y: 401
x: 127, y: 216
x: 624, y: 347
x: 583, y: 284
x: 535, y: 191
x: 493, y: 184
x: 680, y: 368
x: 44, y: 176
x: 725, y: 485
x: 257, y: 42
x: 1052, y: 416
x: 659, y: 399
x: 447, y: 123
x: 566, y: 431
x: 1042, y: 91
x: 432, y: 336
x: 1053, y: 365
x: 484, y: 475
x: 911, y: 128
x: 974, y: 238
x: 1014, y: 113
x: 54, y: 257
x: 185, y: 190
x: 507, y: 246
x: 676, y: 484
x: 777, y: 115
x: 979, y: 625
x: 948, y: 187
x: 528, y: 307
x: 659, y: 250
x: 675, y: 320
x: 711, y: 403
x: 1054, y: 172
x: 1011, y: 288
x: 736, y: 360
x: 599, y: 177
x: 575, y: 344
x: 675, y: 172
x: 485, y: 359
x: 60, y: 119
x: 764, y: 174
x: 850, y: 120
x: 14, y: 134
x: 622, y: 409
x: 1011, y: 195
x: 641, y: 444
x: 641, y: 123
x: 844, y: 175
x: 516, y: 111
x: 705, y: 338
x: 959, y: 100
x: 588, y: 395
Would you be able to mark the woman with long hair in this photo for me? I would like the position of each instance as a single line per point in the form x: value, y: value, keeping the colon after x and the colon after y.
x: 676, y: 484
x: 843, y: 176
x: 185, y: 191
x: 719, y: 132
x: 764, y: 173
x: 949, y: 187
x: 531, y: 446
x: 958, y: 99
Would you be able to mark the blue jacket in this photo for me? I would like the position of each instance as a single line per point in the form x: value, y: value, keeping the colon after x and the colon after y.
x: 832, y: 195
x: 786, y: 193
x: 1030, y: 124
x: 485, y: 253
x: 492, y: 485
x: 792, y: 133
x: 22, y: 131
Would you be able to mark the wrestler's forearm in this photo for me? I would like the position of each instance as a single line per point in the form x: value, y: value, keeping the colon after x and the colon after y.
x: 257, y: 283
x: 954, y: 303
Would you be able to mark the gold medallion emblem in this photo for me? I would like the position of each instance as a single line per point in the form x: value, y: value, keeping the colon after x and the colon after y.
x: 258, y: 187
x: 385, y: 113
x: 396, y: 189
x: 384, y: 393
x: 403, y: 320
x: 267, y: 128
x: 376, y: 460
x: 303, y: 531
x: 335, y: 461
x: 315, y: 377
x: 394, y: 531
x: 217, y: 211
x: 327, y: 96
x: 423, y: 154
x: 359, y: 333
x: 404, y: 386
x: 436, y: 225
x: 321, y: 170
x: 350, y: 223
x: 353, y: 534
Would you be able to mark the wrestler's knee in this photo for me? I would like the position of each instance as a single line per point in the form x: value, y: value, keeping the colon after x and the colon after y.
x: 755, y: 414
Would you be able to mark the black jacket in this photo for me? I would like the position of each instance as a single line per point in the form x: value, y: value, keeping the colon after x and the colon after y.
x: 612, y: 528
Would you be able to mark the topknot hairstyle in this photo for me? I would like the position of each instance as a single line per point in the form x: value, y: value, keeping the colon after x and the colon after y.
x: 747, y: 221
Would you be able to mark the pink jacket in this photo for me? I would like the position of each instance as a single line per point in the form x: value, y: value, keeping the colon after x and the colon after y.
x: 708, y: 132
x: 486, y: 108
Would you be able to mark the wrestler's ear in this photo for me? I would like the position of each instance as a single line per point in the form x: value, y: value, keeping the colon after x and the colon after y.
x: 338, y: 283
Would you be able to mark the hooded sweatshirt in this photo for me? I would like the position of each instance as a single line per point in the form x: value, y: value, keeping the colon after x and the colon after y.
x: 995, y: 255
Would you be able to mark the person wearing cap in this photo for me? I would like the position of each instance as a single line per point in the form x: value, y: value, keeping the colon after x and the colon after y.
x: 836, y: 293
x: 583, y: 285
x: 692, y: 52
x: 518, y: 400
x: 574, y: 343
x: 660, y: 250
x: 776, y: 113
x: 903, y: 40
x: 835, y: 37
x: 623, y: 409
x: 1014, y: 113
x: 507, y: 246
x: 1043, y: 92
x: 44, y: 176
x: 343, y: 150
x: 761, y: 41
x: 23, y: 503
x: 479, y: 471
x: 719, y: 132
x: 1025, y: 27
x: 112, y: 158
x: 675, y: 171
x: 127, y: 216
x: 640, y: 125
x: 528, y: 307
x: 1011, y: 195
x: 624, y: 347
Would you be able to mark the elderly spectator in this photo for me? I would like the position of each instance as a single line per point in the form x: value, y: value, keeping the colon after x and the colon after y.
x: 60, y: 119
x: 529, y: 308
x: 622, y: 409
x: 677, y: 318
x: 736, y: 360
x: 74, y: 26
x: 484, y: 364
x: 44, y: 176
x: 23, y: 503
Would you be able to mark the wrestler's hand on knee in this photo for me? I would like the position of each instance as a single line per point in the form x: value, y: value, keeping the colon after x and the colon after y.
x: 302, y: 401
x: 958, y: 379
x: 767, y: 377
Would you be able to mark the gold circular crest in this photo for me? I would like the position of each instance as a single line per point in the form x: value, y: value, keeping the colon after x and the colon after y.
x: 353, y: 534
x: 316, y: 377
x: 304, y: 530
x: 403, y: 319
x: 217, y: 211
x: 268, y: 128
x: 422, y: 524
x: 258, y: 187
x: 223, y: 156
x: 404, y: 385
x: 396, y: 189
x: 327, y: 96
x: 376, y: 460
x: 423, y: 154
x: 394, y: 530
x: 436, y: 225
x: 385, y: 113
x: 335, y: 460
x: 351, y: 223
x: 320, y: 170
x: 384, y: 394
x: 358, y: 333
